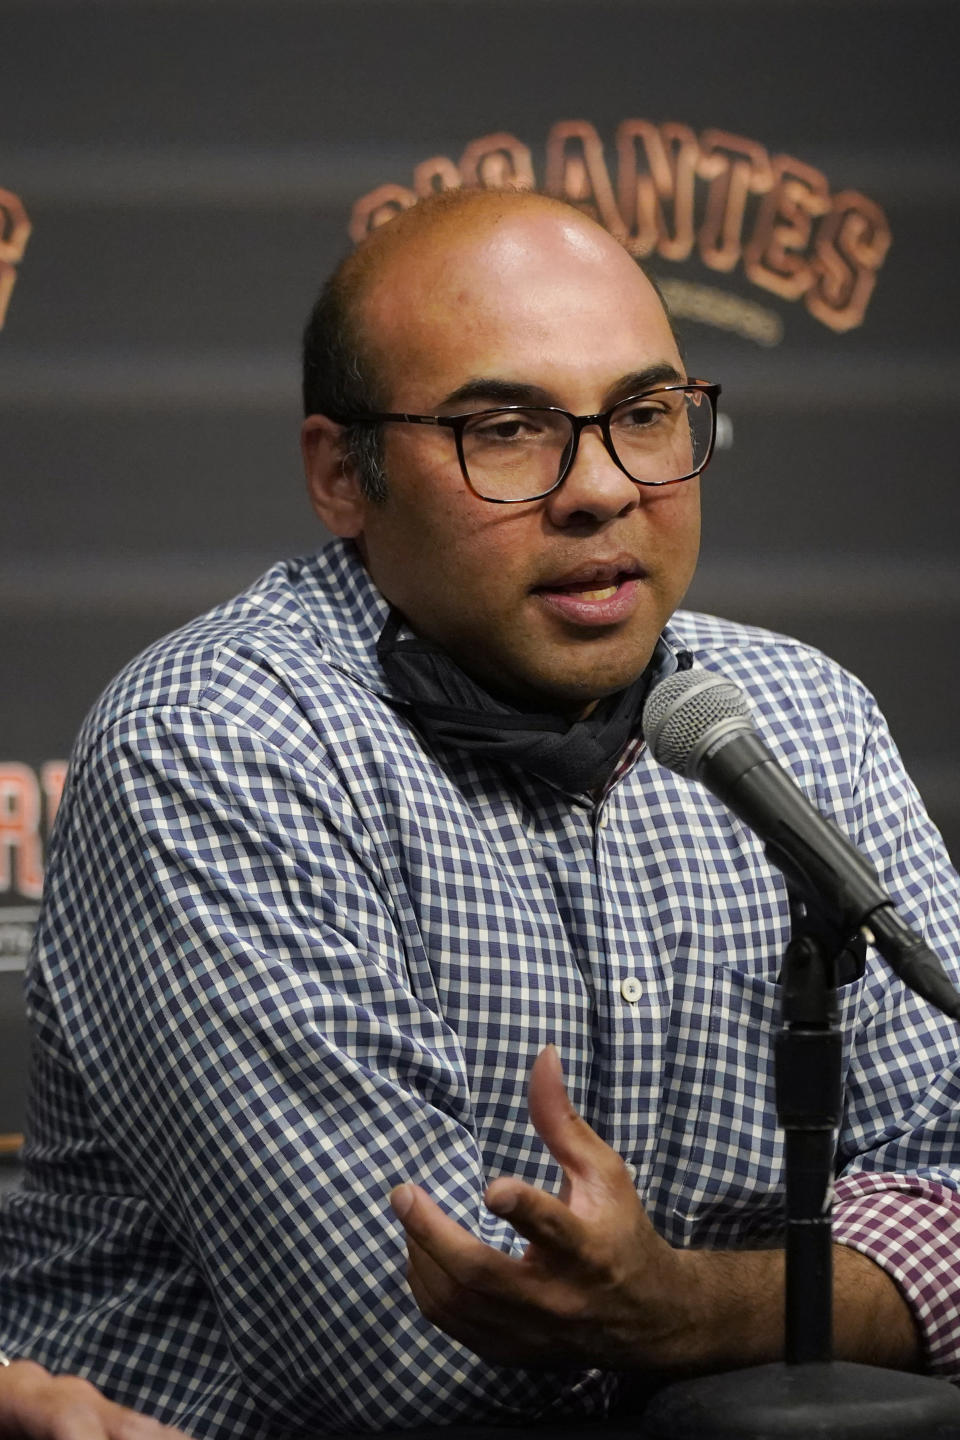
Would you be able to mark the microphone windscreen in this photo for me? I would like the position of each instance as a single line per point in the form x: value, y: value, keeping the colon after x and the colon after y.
x: 680, y: 713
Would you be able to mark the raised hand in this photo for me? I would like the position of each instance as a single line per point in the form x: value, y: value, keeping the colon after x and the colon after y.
x: 596, y: 1286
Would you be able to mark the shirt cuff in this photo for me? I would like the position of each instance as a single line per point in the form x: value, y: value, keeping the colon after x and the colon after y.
x: 910, y: 1227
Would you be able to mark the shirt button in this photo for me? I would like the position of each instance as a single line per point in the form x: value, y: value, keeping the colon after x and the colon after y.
x: 631, y: 989
x: 604, y: 820
x: 631, y: 1170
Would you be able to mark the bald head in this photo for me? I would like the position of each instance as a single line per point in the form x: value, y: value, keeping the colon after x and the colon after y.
x: 411, y: 264
x: 445, y: 218
x: 439, y: 221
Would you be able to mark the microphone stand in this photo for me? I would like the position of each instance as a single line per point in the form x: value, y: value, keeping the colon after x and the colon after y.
x: 809, y: 1394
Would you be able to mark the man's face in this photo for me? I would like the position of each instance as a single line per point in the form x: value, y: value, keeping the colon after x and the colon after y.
x: 556, y: 602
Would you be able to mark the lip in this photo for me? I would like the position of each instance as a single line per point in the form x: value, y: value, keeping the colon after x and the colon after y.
x: 595, y: 574
x: 564, y: 596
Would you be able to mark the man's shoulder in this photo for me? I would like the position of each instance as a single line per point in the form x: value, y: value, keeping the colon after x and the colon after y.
x: 714, y: 641
x: 787, y: 681
x: 249, y: 659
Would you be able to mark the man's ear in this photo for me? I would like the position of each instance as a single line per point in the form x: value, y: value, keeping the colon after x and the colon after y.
x: 332, y: 480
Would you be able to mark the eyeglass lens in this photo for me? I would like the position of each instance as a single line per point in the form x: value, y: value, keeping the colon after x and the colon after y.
x: 658, y: 438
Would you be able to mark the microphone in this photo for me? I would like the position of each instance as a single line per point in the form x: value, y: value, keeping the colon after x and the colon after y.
x: 697, y: 723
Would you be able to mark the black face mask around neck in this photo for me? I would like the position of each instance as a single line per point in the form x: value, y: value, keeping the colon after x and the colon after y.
x: 453, y: 710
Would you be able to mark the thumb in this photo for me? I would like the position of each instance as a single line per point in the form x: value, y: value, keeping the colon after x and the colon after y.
x: 567, y: 1136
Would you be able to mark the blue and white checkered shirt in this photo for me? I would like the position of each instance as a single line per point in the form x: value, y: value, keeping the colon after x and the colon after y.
x: 289, y: 958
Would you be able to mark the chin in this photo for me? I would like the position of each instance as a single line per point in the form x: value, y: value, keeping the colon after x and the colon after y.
x: 571, y: 684
x: 575, y: 695
x: 594, y: 682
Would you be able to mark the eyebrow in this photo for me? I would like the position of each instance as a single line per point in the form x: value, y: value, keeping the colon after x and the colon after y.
x: 661, y: 374
x: 506, y: 392
x: 515, y: 392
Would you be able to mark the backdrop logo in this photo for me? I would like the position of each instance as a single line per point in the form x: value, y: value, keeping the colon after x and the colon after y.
x: 715, y: 197
x: 29, y: 799
x: 14, y: 234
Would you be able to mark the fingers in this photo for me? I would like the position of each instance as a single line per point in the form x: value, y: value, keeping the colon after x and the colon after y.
x: 553, y: 1223
x: 476, y: 1321
x: 551, y: 1110
x: 545, y: 1220
x: 503, y: 1308
x: 467, y: 1315
x: 35, y: 1405
x: 448, y: 1260
x: 452, y: 1249
x: 124, y: 1424
x: 72, y: 1414
x: 571, y: 1141
x: 458, y: 1282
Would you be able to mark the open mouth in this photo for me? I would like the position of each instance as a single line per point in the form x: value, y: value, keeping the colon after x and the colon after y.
x: 595, y: 583
x: 587, y: 594
x: 596, y: 599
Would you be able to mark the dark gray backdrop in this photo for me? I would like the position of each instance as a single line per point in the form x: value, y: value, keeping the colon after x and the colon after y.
x: 190, y: 167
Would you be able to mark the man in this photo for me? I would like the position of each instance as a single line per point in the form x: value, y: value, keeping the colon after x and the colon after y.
x: 341, y: 863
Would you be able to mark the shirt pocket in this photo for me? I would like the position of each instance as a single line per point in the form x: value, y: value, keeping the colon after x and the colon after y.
x: 729, y: 1192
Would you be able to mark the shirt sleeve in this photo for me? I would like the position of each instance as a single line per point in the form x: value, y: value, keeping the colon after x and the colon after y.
x: 229, y: 973
x: 898, y: 1194
x: 910, y: 1226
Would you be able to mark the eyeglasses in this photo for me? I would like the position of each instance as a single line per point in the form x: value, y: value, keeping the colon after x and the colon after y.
x: 518, y: 452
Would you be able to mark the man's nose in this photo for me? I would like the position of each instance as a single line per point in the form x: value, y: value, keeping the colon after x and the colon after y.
x: 595, y: 488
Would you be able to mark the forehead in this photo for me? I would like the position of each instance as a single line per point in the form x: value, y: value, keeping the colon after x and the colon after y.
x: 535, y: 296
